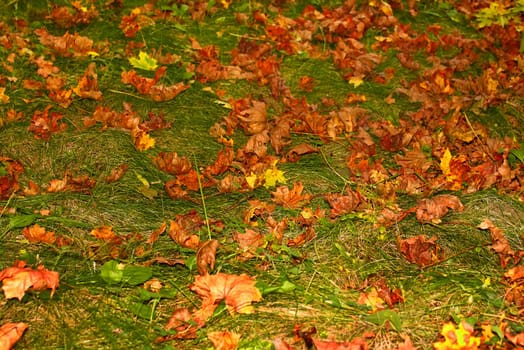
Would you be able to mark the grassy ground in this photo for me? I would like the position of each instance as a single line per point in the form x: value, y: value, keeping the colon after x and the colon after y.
x: 328, y: 273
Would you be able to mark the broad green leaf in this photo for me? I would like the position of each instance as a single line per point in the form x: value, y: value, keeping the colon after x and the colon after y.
x: 112, y: 272
x: 144, y: 62
x: 285, y: 287
x: 21, y: 221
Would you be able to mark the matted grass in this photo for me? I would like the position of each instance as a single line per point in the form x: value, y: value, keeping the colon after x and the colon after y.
x: 329, y: 273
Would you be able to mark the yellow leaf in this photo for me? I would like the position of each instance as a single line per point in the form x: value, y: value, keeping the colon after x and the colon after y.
x: 3, y: 97
x: 445, y: 161
x: 272, y: 176
x: 356, y: 81
x: 251, y: 180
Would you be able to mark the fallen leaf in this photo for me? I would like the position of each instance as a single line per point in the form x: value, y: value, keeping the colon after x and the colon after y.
x: 16, y: 280
x: 291, y: 198
x: 237, y: 291
x: 500, y: 244
x: 355, y: 344
x: 343, y: 204
x: 432, y: 210
x: 144, y: 61
x: 87, y: 86
x: 420, y: 250
x: 105, y: 233
x: 43, y: 123
x: 457, y: 338
x: 10, y: 333
x: 224, y: 340
x: 116, y: 173
x: 38, y: 234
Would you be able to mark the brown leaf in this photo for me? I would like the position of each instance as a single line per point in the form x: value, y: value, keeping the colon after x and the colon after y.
x: 420, y: 250
x: 355, y: 344
x: 294, y: 154
x: 66, y: 45
x: 205, y: 256
x: 172, y: 164
x: 432, y: 210
x: 343, y: 204
x: 238, y: 292
x: 117, y: 173
x: 155, y: 234
x: 224, y: 340
x: 10, y: 333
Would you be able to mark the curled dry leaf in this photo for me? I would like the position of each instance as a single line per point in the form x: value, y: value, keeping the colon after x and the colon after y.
x: 238, y: 292
x: 205, y: 256
x: 181, y: 230
x: 500, y: 244
x: 172, y: 164
x: 16, y: 280
x: 10, y: 333
x: 432, y: 210
x: 38, y: 234
x: 420, y: 250
x: 224, y: 340
x: 43, y: 123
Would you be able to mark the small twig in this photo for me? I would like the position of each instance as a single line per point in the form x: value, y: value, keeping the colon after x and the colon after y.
x: 478, y: 137
x: 127, y: 94
x: 346, y: 181
x: 203, y: 200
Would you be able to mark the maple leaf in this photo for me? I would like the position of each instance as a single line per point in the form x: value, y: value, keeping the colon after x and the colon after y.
x: 10, y: 333
x: 291, y: 198
x: 249, y: 241
x: 66, y: 45
x: 144, y: 61
x: 105, y: 233
x: 141, y: 139
x: 237, y: 291
x: 432, y: 210
x: 16, y: 280
x: 461, y: 338
x: 87, y: 86
x: 224, y: 340
x: 420, y: 250
x: 205, y: 256
x: 273, y: 175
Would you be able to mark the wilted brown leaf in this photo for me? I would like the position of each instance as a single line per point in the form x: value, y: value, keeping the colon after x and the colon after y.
x: 117, y: 173
x: 343, y: 204
x: 43, y: 123
x: 182, y: 229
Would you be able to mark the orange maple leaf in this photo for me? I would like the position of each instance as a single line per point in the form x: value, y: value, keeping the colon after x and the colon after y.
x: 432, y: 210
x: 291, y: 198
x: 10, y: 333
x: 36, y: 234
x: 16, y: 280
x: 238, y: 292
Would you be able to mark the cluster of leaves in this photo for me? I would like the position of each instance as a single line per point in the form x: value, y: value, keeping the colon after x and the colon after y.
x: 435, y: 147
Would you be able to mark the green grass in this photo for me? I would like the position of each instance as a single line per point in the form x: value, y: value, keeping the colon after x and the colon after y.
x: 329, y: 273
